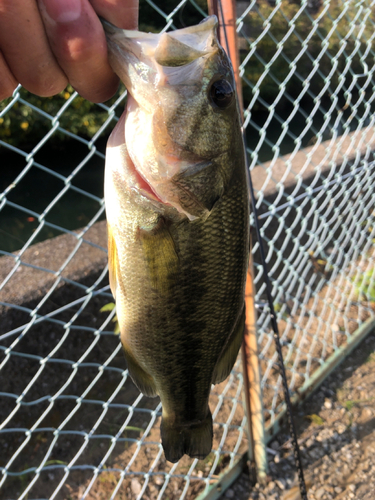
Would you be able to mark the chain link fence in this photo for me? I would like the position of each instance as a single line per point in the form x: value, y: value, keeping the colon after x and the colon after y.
x: 73, y: 425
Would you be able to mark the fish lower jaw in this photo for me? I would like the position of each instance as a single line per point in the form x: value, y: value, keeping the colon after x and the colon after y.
x: 141, y: 186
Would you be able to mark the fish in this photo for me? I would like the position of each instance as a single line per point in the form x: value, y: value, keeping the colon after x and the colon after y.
x: 177, y: 208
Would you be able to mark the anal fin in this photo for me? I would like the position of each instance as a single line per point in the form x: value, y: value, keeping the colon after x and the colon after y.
x: 140, y: 377
x: 229, y: 355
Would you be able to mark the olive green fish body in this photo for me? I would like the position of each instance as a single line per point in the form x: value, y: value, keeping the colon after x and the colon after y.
x: 178, y: 223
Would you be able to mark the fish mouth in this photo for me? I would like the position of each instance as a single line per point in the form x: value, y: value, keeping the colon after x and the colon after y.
x: 174, y: 48
x: 148, y: 64
x: 142, y: 58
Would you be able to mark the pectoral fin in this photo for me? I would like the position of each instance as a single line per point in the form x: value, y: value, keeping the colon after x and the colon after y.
x: 229, y: 355
x: 112, y: 261
x: 161, y: 256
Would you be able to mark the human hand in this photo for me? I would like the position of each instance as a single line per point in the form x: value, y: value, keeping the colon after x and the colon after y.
x: 44, y: 44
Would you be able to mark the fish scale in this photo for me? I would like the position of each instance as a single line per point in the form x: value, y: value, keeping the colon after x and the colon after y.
x: 178, y: 225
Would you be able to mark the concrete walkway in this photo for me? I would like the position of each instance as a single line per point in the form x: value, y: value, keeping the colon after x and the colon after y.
x: 286, y: 171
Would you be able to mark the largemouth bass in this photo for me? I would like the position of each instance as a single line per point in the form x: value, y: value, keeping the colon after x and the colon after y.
x: 178, y: 223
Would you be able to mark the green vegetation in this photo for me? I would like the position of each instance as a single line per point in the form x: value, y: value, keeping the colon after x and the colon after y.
x: 266, y: 27
x: 22, y: 124
x: 323, y: 46
x: 365, y: 285
x: 109, y: 307
x: 349, y: 404
x: 315, y: 419
x: 278, y: 309
x: 55, y: 462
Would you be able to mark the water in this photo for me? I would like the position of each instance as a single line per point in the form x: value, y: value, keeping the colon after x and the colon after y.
x: 298, y: 123
x: 38, y: 188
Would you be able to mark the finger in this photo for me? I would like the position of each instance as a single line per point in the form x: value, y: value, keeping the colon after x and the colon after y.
x: 121, y: 13
x: 25, y: 48
x: 78, y: 42
x: 7, y: 81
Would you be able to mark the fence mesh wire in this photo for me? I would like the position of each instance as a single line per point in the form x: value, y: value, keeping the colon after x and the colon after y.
x: 72, y: 423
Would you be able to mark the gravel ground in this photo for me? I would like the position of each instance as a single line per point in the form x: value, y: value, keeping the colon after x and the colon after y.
x: 336, y: 430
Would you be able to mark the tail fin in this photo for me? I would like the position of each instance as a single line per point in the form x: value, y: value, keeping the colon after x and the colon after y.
x: 194, y: 440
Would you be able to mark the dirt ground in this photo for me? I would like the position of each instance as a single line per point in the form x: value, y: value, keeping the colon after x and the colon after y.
x: 98, y: 438
x: 72, y: 439
x: 336, y: 430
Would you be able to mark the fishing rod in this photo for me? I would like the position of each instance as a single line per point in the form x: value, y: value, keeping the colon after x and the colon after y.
x: 276, y: 334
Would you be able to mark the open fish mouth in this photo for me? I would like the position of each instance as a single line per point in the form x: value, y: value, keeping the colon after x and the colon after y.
x: 172, y: 49
x: 141, y: 59
x: 163, y: 72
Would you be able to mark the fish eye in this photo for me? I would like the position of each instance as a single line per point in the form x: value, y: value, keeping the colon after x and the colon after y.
x: 222, y: 93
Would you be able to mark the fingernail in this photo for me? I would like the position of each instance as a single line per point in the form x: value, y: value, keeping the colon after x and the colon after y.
x: 63, y: 11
